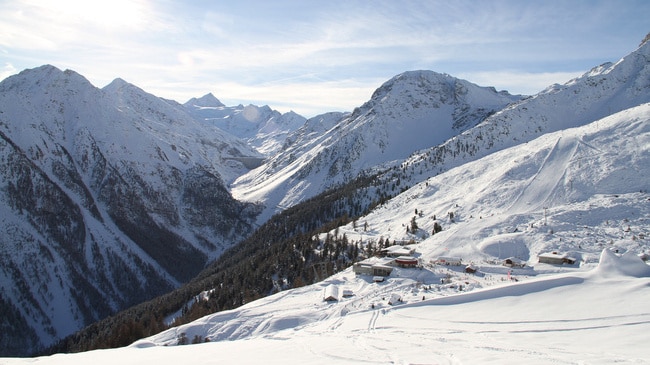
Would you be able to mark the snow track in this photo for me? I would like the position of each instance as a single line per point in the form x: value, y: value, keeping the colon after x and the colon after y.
x: 537, y: 193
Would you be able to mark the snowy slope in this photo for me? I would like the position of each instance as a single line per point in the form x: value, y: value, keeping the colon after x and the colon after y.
x: 107, y: 198
x: 604, y: 90
x: 600, y: 205
x: 594, y: 311
x: 263, y: 128
x: 412, y: 111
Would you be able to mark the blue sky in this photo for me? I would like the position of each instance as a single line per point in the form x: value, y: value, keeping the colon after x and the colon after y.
x: 316, y: 56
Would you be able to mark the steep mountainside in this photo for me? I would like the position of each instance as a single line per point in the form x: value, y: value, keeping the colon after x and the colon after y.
x: 604, y: 90
x: 412, y: 111
x: 263, y: 128
x: 108, y: 197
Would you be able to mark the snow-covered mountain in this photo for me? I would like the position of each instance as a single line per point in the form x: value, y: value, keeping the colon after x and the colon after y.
x: 263, y: 128
x: 412, y: 111
x: 108, y: 197
x: 602, y: 91
x: 582, y: 192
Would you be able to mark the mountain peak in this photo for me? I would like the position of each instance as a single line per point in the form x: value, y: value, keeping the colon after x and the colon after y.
x: 207, y: 100
x: 46, y: 76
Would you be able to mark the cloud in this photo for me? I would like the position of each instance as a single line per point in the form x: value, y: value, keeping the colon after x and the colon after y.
x: 7, y: 70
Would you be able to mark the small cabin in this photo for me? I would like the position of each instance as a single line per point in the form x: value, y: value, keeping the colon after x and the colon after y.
x: 347, y: 293
x: 395, y: 299
x: 449, y: 261
x: 555, y: 258
x: 471, y: 269
x: 331, y: 293
x: 513, y: 262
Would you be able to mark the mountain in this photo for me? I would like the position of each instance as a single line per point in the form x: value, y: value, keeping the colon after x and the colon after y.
x: 108, y: 197
x: 412, y: 111
x: 263, y: 128
x: 602, y: 91
x: 593, y: 179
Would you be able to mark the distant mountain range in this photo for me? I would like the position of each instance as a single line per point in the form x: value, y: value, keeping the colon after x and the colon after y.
x: 113, y: 196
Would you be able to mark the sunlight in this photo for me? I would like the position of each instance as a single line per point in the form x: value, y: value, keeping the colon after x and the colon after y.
x: 113, y: 15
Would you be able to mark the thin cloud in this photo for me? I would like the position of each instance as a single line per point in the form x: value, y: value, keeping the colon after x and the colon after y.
x: 240, y: 51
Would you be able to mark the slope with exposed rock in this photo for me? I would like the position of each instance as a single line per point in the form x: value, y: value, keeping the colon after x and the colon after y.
x: 109, y: 197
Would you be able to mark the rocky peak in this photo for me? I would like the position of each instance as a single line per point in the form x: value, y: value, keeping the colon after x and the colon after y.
x: 206, y: 101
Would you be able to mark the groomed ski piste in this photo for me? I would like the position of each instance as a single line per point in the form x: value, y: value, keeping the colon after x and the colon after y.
x: 593, y: 211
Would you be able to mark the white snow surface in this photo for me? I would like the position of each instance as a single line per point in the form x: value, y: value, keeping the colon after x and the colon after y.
x: 593, y: 317
x: 589, y: 186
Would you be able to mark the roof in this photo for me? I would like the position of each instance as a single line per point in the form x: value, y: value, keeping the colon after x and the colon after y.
x: 553, y: 255
x: 397, y: 250
x: 331, y: 292
x: 407, y: 259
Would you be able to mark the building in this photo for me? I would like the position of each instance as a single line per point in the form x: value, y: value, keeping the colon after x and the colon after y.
x: 397, y: 250
x: 513, y: 262
x: 555, y: 258
x: 449, y: 261
x: 471, y: 269
x: 406, y: 261
x: 331, y: 293
x: 373, y: 267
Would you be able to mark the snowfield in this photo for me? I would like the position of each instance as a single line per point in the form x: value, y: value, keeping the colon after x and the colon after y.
x: 599, y: 316
x: 581, y: 192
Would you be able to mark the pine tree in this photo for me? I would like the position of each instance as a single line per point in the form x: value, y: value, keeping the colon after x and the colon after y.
x: 414, y: 225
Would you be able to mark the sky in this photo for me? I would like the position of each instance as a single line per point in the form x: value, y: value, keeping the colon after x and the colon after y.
x: 315, y: 56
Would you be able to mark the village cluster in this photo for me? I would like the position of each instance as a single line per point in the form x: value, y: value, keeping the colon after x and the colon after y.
x: 383, y: 266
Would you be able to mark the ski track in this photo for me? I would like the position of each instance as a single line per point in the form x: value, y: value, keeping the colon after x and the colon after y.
x: 536, y: 194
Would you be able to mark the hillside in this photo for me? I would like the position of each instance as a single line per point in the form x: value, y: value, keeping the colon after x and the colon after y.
x: 602, y: 91
x: 109, y: 197
x: 594, y: 208
x: 594, y: 204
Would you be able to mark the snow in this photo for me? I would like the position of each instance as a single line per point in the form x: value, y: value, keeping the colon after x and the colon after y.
x: 592, y: 312
x: 596, y: 317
